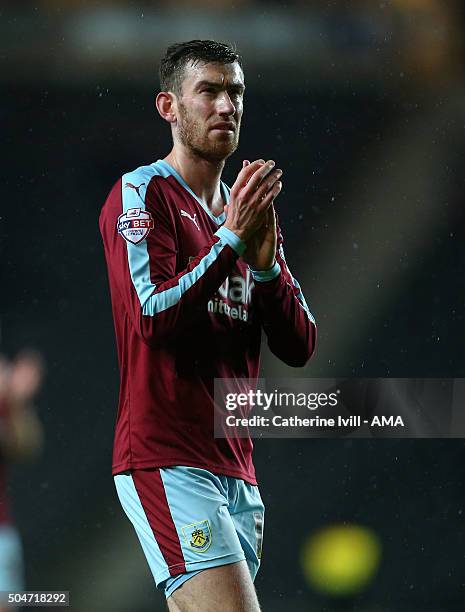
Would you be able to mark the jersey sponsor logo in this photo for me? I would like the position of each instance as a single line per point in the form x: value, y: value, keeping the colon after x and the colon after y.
x: 134, y: 225
x: 135, y: 187
x: 237, y: 290
x: 192, y: 218
x: 198, y: 536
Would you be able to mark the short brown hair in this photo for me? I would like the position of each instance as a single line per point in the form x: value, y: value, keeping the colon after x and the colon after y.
x: 172, y: 65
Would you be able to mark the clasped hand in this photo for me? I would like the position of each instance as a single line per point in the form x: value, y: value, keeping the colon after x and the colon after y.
x: 250, y: 213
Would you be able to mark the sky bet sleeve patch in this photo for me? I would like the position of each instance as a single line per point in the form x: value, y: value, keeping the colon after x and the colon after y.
x: 134, y: 225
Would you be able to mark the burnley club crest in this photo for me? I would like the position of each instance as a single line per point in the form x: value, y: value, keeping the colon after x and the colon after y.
x: 198, y: 536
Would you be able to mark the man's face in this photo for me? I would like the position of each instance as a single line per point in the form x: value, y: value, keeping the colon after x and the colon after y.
x: 210, y: 109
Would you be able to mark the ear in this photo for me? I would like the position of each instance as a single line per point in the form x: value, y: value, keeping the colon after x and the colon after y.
x: 165, y: 103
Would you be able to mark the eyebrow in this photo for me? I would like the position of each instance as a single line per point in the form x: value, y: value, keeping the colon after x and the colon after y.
x: 234, y: 86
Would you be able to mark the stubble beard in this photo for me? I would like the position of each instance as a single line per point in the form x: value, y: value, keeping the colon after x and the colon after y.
x: 194, y: 136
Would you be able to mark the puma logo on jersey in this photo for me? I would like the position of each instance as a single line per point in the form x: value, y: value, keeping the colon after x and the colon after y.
x: 193, y: 219
x: 135, y: 187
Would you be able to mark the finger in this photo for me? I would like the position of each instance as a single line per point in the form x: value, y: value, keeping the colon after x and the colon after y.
x: 270, y: 220
x: 245, y: 163
x: 258, y: 176
x: 247, y: 171
x: 268, y: 183
x: 269, y: 198
x: 244, y: 175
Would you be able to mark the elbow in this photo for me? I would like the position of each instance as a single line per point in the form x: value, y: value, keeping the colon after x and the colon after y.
x: 158, y: 324
x: 302, y: 352
x: 146, y: 330
x: 299, y: 359
x: 156, y: 330
x: 154, y: 335
x: 311, y: 342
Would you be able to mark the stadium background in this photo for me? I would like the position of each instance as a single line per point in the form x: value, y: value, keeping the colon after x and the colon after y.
x: 364, y: 108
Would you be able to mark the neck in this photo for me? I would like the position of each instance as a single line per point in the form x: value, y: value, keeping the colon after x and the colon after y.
x: 202, y: 176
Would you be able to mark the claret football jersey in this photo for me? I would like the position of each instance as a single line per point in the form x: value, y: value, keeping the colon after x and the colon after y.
x: 187, y: 309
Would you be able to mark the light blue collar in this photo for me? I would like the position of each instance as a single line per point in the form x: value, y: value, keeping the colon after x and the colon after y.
x: 224, y: 190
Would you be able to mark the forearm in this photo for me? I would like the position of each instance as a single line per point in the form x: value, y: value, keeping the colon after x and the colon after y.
x: 177, y: 302
x: 286, y: 319
x: 21, y: 436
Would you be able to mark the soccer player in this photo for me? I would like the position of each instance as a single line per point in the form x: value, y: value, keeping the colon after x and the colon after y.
x: 196, y: 272
x: 20, y: 438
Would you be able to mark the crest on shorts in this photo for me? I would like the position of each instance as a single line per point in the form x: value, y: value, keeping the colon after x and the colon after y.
x: 135, y: 224
x: 198, y: 536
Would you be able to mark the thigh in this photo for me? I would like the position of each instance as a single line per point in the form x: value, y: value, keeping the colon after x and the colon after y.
x: 181, y: 517
x: 228, y: 588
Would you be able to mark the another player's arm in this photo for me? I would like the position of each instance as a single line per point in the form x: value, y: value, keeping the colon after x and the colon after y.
x: 160, y: 302
x: 287, y: 321
x: 21, y: 433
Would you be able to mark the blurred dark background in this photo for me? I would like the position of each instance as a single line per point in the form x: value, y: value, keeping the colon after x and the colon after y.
x: 363, y: 106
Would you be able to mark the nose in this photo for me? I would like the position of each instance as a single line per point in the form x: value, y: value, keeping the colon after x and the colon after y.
x: 225, y: 104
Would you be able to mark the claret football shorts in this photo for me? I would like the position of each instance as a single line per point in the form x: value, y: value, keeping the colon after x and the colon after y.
x: 188, y: 520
